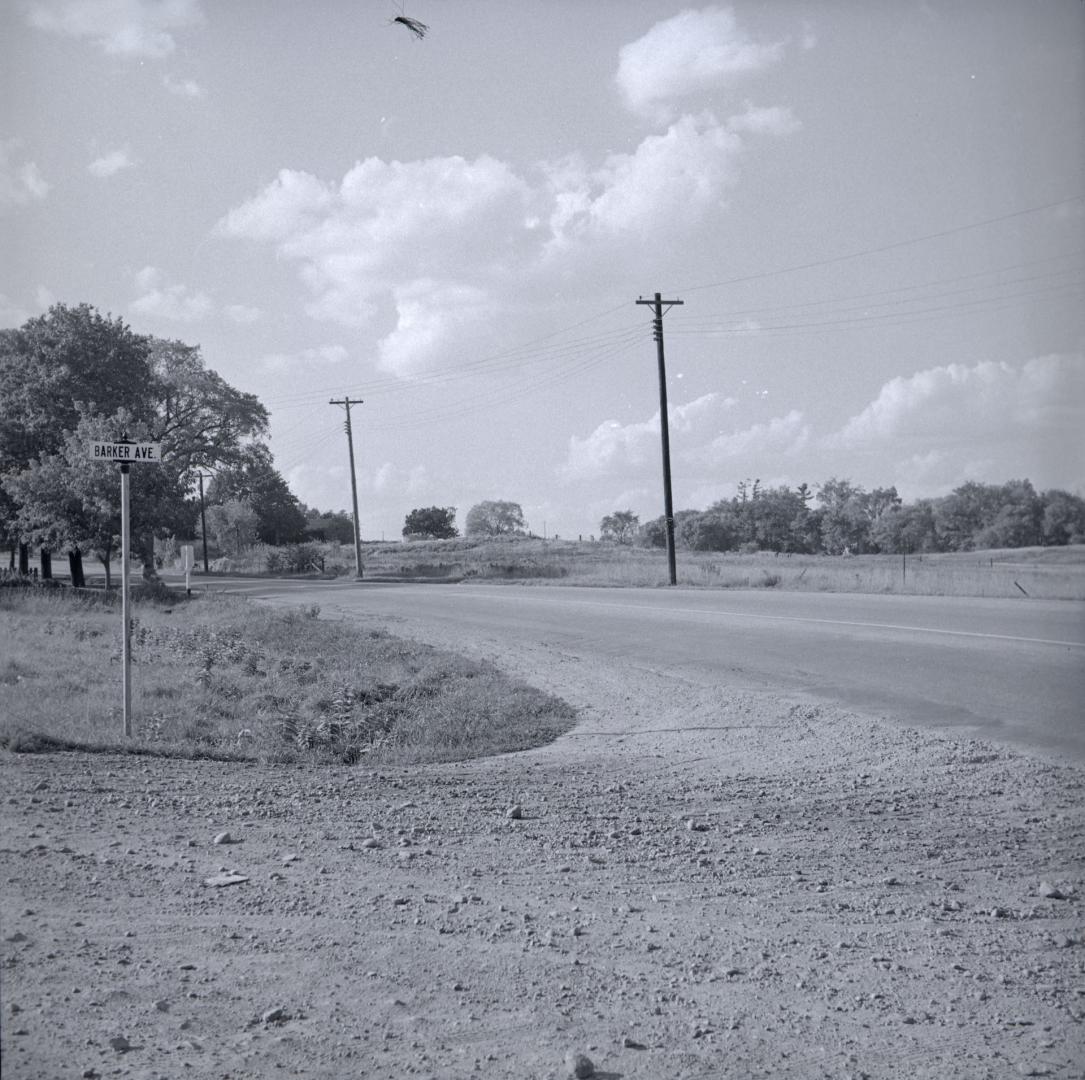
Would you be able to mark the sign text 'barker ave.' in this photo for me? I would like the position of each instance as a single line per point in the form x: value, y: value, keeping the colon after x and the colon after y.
x: 126, y: 452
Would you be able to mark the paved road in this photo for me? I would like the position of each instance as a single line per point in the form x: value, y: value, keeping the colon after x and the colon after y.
x: 1008, y: 670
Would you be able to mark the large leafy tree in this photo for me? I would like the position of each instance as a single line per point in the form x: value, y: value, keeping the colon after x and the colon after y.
x: 73, y: 365
x: 252, y: 478
x: 434, y: 522
x: 495, y: 518
x: 67, y: 500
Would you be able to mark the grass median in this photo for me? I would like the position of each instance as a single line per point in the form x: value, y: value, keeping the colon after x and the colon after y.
x: 222, y: 677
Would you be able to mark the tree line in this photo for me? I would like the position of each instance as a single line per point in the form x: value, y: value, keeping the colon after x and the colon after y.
x: 841, y: 517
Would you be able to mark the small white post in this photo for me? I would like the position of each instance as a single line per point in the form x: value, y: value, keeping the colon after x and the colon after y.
x: 126, y: 632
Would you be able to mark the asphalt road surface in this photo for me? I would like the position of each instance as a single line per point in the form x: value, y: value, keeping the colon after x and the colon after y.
x: 1008, y: 670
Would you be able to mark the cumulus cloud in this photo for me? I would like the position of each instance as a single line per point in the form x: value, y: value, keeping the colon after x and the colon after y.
x: 186, y: 88
x: 988, y: 421
x: 243, y: 314
x: 176, y: 303
x: 307, y: 358
x: 119, y: 27
x: 988, y: 401
x: 693, y: 52
x: 614, y: 448
x: 390, y: 231
x: 782, y: 435
x: 430, y: 316
x: 110, y: 164
x: 673, y: 177
x: 20, y: 182
x: 764, y: 120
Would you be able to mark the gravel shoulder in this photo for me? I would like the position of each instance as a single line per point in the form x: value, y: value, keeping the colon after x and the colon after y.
x: 697, y: 881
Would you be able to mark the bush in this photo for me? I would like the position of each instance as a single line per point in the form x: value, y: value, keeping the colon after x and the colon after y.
x: 295, y: 559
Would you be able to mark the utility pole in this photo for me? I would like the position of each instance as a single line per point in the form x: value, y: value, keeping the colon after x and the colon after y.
x: 664, y: 428
x: 346, y: 403
x: 203, y: 522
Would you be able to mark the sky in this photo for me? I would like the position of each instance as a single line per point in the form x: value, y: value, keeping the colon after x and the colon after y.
x: 873, y: 212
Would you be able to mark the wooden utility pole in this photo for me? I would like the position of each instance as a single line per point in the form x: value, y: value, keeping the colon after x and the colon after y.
x: 664, y: 428
x: 346, y: 403
x: 203, y: 523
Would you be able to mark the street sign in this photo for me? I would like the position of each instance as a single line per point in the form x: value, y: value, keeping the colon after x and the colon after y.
x: 125, y: 453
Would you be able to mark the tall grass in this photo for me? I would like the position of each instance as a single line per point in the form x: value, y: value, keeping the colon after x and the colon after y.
x: 1049, y: 573
x: 219, y: 676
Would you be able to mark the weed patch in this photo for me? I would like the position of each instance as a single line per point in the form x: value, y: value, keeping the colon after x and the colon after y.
x: 227, y: 678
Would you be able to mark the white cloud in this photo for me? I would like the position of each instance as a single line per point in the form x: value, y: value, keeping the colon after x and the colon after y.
x: 930, y: 431
x: 243, y: 314
x: 20, y: 183
x: 119, y: 27
x: 669, y: 179
x: 782, y: 435
x: 430, y: 317
x: 441, y: 246
x: 762, y: 120
x: 187, y: 88
x: 175, y: 303
x: 956, y: 404
x: 618, y: 449
x: 693, y: 52
x: 110, y: 164
x: 321, y: 355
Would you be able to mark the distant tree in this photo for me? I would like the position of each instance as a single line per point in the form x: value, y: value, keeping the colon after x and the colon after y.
x: 253, y: 479
x: 964, y: 512
x: 621, y: 526
x: 717, y: 529
x: 233, y: 524
x: 1018, y: 521
x: 495, y: 518
x: 1063, y: 518
x: 845, y: 517
x: 334, y: 526
x: 653, y: 534
x: 433, y: 522
x: 909, y: 529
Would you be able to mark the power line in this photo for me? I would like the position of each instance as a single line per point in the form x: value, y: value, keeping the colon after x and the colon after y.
x: 883, y: 248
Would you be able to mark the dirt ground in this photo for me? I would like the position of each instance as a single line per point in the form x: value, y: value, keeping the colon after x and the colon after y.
x: 697, y: 882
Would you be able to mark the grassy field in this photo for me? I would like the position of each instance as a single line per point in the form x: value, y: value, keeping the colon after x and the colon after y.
x: 1052, y: 573
x: 1049, y: 573
x: 221, y: 677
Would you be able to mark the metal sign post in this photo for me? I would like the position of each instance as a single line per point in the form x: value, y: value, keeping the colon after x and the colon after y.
x: 126, y: 618
x: 124, y: 453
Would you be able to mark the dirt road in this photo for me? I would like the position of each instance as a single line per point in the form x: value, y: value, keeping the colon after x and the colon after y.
x: 696, y: 882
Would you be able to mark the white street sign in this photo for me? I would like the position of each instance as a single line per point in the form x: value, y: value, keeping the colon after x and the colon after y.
x: 125, y: 453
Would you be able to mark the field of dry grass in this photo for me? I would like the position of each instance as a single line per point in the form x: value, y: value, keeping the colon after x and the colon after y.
x: 221, y: 677
x: 1049, y: 573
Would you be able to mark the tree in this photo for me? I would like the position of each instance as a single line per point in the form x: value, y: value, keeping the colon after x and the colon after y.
x: 964, y: 512
x: 254, y: 480
x: 1064, y: 518
x: 72, y: 364
x: 66, y: 500
x: 621, y: 526
x: 335, y: 526
x: 495, y: 518
x: 233, y: 524
x: 433, y: 522
x: 54, y: 370
x: 845, y: 517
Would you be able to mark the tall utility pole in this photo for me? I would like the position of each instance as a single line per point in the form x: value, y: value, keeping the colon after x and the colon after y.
x: 664, y: 428
x: 346, y: 403
x: 203, y: 522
